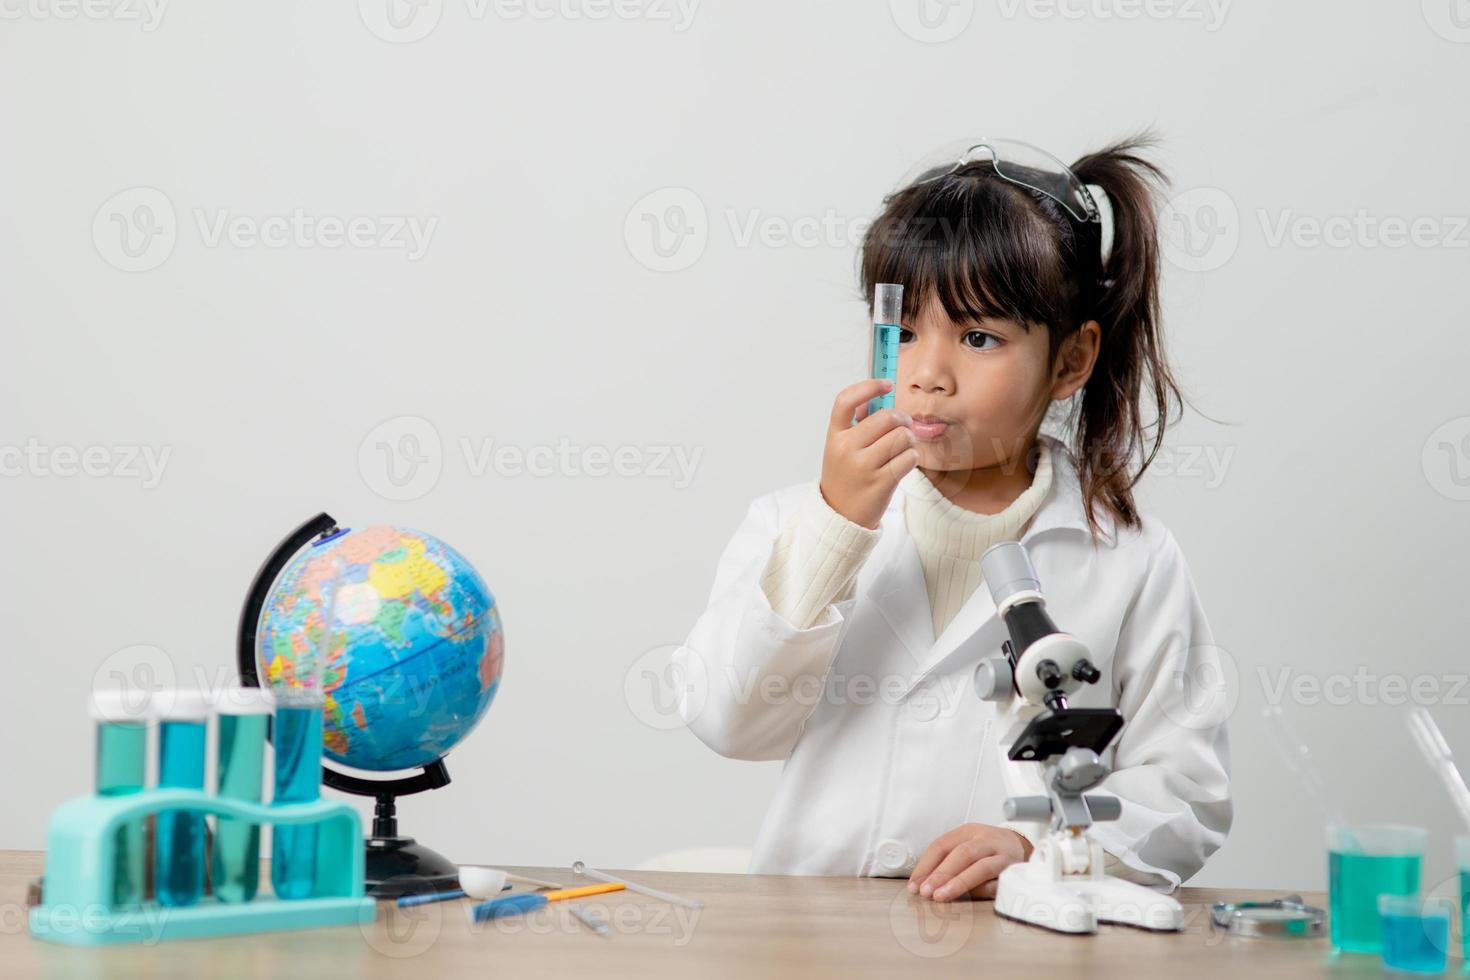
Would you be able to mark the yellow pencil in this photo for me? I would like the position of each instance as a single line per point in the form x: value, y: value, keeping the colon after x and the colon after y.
x: 529, y: 902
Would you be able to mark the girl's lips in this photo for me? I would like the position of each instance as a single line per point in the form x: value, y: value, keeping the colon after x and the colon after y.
x: 929, y: 429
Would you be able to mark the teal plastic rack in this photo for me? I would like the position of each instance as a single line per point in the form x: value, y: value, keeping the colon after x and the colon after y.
x: 78, y: 889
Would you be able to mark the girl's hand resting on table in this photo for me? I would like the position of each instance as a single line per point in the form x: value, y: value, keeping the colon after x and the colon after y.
x: 863, y: 462
x: 966, y: 862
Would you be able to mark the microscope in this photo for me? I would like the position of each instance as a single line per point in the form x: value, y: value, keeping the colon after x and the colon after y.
x: 1062, y: 887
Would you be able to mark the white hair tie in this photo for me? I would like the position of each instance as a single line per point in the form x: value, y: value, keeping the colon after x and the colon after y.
x: 1104, y: 219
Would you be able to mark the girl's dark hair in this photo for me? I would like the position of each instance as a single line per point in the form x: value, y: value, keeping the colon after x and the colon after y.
x: 990, y: 248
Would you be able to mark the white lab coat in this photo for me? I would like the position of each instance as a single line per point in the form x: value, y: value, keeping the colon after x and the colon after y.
x: 886, y: 746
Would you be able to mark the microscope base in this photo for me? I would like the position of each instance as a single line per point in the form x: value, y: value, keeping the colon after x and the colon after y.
x: 1034, y: 893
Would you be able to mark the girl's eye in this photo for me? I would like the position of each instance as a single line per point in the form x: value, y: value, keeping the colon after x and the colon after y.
x: 904, y: 336
x: 979, y: 340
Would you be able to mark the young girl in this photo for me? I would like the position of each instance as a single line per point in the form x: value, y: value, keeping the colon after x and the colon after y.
x: 847, y: 615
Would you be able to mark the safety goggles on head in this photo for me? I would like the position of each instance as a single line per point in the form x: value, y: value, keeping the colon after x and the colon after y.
x: 1027, y: 166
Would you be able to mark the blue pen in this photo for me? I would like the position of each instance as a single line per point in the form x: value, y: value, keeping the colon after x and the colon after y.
x: 407, y: 901
x: 498, y: 908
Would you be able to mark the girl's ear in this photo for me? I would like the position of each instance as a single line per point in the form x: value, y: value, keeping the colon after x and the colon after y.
x: 1075, y: 360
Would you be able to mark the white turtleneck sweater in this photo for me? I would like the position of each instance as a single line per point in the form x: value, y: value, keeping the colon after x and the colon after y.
x: 816, y: 560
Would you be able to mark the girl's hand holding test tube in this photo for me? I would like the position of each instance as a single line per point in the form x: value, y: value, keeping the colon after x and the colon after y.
x: 866, y: 455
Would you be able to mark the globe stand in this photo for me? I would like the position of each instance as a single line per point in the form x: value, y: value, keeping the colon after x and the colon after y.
x: 394, y: 865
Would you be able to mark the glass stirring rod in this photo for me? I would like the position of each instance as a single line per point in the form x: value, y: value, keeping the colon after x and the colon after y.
x: 1436, y: 750
x: 688, y: 903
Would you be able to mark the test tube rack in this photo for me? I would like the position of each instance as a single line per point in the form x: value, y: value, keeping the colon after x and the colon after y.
x: 78, y: 890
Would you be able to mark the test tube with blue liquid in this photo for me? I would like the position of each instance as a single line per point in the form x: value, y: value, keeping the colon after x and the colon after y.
x: 122, y: 751
x: 297, y: 736
x: 883, y: 354
x: 243, y: 713
x: 178, y: 870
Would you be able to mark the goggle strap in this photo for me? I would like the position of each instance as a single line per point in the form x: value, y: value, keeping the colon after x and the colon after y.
x: 1104, y: 220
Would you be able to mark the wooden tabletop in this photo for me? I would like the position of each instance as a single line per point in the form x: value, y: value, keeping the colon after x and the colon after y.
x: 751, y: 925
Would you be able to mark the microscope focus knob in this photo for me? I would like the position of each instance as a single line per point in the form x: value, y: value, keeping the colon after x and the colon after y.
x: 1049, y: 674
x: 994, y: 680
x: 1085, y: 672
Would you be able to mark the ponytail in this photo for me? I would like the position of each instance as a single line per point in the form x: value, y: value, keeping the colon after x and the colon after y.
x: 1109, y: 428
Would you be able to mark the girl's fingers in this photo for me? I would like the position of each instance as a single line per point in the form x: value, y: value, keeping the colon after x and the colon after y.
x: 871, y: 429
x: 933, y: 855
x: 971, y: 879
x: 961, y: 856
x: 899, y: 466
x: 855, y: 397
x: 890, y: 444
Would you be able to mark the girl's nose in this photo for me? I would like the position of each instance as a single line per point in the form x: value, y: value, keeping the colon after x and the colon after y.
x: 926, y: 371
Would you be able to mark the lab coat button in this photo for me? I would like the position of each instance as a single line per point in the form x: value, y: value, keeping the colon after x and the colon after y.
x: 925, y: 707
x: 894, y: 855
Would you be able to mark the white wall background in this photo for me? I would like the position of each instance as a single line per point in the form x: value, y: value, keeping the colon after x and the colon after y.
x: 1326, y: 522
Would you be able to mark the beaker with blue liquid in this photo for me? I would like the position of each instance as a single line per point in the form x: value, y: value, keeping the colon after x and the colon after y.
x: 178, y: 867
x: 1362, y: 864
x: 1416, y: 932
x: 1462, y: 859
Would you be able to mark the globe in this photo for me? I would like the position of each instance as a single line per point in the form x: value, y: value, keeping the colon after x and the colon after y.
x: 413, y: 651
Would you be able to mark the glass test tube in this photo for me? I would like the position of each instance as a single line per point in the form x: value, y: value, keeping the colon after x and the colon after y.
x: 178, y: 851
x: 883, y: 354
x: 298, y: 779
x: 122, y: 750
x: 243, y: 713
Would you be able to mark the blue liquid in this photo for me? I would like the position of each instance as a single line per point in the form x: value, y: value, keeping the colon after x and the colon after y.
x: 298, y: 740
x: 121, y: 748
x: 236, y: 863
x: 178, y: 867
x: 1354, y: 882
x: 1416, y: 942
x: 1465, y: 915
x: 885, y: 362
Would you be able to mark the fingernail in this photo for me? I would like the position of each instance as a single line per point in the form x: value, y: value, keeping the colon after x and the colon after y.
x: 942, y: 895
x: 903, y: 416
x: 913, y: 888
x: 925, y: 889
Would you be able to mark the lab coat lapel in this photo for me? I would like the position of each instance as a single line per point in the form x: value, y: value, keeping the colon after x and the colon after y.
x: 899, y: 593
x: 975, y: 630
